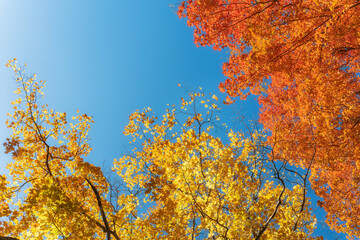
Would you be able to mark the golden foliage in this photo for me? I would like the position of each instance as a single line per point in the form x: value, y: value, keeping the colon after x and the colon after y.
x: 181, y: 183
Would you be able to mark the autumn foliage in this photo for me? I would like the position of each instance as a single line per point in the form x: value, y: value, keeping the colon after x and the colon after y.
x: 51, y: 192
x: 181, y: 182
x: 302, y: 59
x: 206, y: 189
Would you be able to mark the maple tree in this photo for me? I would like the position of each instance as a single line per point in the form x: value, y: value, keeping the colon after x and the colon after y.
x: 181, y: 183
x: 301, y: 57
x: 206, y: 189
x: 53, y: 192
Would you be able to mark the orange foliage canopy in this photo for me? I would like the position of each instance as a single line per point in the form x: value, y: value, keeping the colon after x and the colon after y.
x: 302, y: 58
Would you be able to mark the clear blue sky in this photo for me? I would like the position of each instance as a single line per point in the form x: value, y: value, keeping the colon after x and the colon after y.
x: 107, y: 59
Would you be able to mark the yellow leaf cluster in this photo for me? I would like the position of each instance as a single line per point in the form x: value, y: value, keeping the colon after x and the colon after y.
x: 181, y: 182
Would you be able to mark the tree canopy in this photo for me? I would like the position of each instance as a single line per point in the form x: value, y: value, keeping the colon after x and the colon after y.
x: 302, y: 60
x: 180, y: 182
x: 187, y: 176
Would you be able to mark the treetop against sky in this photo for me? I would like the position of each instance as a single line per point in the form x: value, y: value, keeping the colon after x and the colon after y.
x: 295, y: 60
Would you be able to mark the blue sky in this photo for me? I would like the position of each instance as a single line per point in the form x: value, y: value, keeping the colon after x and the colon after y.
x: 107, y: 59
